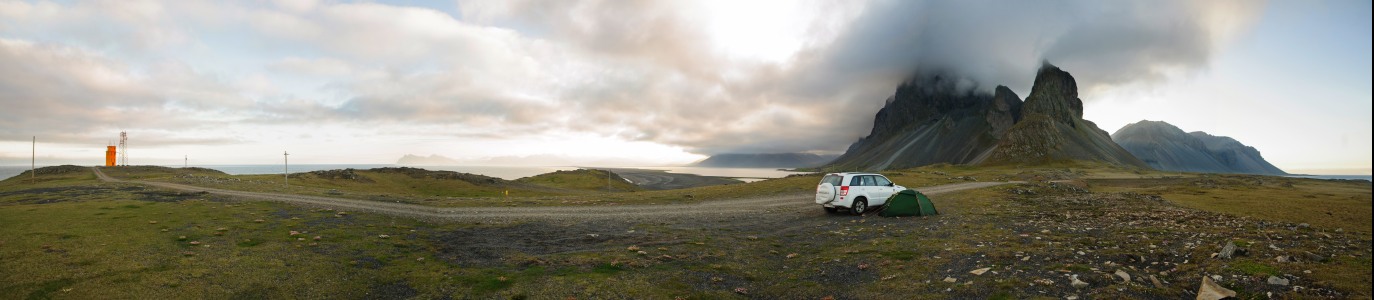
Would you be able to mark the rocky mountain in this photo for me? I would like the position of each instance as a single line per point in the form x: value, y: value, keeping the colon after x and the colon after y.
x: 931, y: 119
x: 765, y: 160
x: 1052, y: 128
x: 432, y: 160
x: 937, y: 119
x: 1166, y: 147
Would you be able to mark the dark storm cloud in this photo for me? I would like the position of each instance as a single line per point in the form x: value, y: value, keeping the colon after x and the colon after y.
x: 992, y: 43
x: 1003, y: 42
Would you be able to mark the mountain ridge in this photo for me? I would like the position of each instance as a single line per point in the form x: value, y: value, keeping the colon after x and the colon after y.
x: 1166, y: 147
x: 932, y: 119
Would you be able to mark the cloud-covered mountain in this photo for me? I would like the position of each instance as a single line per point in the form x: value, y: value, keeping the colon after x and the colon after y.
x: 1166, y: 147
x: 938, y: 119
x: 765, y: 160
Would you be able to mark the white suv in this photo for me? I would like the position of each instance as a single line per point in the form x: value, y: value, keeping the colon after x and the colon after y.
x: 855, y: 191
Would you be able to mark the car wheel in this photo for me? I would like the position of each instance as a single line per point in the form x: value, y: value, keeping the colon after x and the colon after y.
x: 831, y: 210
x: 859, y: 207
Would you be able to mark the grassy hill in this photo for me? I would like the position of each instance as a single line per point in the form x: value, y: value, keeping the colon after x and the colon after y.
x: 583, y: 179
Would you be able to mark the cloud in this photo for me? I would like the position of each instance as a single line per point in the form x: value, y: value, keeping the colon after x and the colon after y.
x: 647, y: 71
x: 68, y: 95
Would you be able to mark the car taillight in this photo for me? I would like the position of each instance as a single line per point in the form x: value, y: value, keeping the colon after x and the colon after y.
x: 844, y: 191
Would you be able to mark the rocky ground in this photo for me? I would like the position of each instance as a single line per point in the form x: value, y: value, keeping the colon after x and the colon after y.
x: 1043, y: 239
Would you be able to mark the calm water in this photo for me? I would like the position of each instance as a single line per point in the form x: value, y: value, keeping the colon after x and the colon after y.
x: 1342, y: 177
x: 745, y: 174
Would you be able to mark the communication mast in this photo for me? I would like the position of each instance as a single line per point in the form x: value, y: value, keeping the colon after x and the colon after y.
x: 123, y: 148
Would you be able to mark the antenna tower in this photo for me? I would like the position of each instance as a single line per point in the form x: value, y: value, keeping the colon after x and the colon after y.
x: 123, y: 148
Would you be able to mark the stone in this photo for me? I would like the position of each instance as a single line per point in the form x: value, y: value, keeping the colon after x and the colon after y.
x: 1078, y: 284
x: 1230, y: 250
x: 950, y: 279
x: 1156, y: 282
x: 979, y: 271
x: 1313, y: 256
x: 1275, y: 280
x: 1210, y: 290
x: 1125, y: 277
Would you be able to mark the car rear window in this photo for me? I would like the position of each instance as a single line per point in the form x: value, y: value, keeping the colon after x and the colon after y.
x: 832, y: 179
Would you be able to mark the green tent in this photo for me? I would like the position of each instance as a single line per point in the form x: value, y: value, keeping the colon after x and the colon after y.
x: 908, y: 203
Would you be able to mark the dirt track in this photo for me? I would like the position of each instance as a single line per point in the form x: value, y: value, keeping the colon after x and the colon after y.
x: 712, y: 208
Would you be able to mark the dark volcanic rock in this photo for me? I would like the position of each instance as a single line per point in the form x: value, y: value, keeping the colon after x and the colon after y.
x: 933, y: 119
x: 1052, y: 128
x: 938, y: 119
x: 1055, y: 94
x: 1166, y: 147
x: 765, y: 160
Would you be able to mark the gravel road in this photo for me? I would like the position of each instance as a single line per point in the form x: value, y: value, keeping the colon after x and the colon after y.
x: 711, y: 208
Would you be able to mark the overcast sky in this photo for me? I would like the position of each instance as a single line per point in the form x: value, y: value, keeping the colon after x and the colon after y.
x: 648, y: 82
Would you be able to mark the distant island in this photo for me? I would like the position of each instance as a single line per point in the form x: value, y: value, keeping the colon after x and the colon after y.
x: 431, y: 160
x: 765, y: 160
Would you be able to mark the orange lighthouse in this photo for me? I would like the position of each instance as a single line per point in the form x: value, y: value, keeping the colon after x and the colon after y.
x: 109, y: 156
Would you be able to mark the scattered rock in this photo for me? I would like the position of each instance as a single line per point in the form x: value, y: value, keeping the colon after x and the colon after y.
x: 1125, y: 277
x: 791, y: 255
x: 1156, y: 282
x: 1275, y: 280
x: 642, y: 253
x: 863, y: 266
x: 950, y: 279
x: 383, y: 236
x: 1078, y: 284
x: 741, y: 291
x: 1210, y: 290
x: 632, y: 248
x: 1230, y: 250
x: 1314, y: 257
x: 979, y: 271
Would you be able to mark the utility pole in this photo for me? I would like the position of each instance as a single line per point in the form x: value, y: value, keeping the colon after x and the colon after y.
x: 32, y: 159
x: 285, y: 168
x: 123, y: 148
x: 184, y: 160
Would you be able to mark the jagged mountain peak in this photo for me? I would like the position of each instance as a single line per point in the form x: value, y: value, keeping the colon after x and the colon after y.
x: 1055, y: 94
x: 941, y: 119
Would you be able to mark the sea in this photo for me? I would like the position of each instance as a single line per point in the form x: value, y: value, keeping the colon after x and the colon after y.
x: 503, y: 172
x: 1338, y: 177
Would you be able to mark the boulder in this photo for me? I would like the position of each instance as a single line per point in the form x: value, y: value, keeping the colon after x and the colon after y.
x: 1275, y: 280
x: 1210, y: 290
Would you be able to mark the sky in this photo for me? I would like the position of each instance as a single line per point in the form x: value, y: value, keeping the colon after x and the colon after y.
x: 648, y: 82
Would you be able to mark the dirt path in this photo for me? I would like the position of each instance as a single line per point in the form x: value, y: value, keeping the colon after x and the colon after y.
x: 712, y: 208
